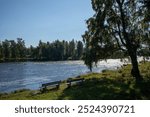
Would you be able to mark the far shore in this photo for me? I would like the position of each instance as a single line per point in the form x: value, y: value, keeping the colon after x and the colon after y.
x: 30, y: 60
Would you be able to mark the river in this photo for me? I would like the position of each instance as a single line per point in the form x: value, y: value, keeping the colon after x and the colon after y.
x: 30, y: 75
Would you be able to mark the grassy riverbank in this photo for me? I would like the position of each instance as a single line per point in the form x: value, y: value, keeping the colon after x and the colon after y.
x: 118, y: 84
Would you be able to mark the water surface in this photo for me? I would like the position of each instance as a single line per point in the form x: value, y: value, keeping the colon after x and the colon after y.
x: 30, y: 75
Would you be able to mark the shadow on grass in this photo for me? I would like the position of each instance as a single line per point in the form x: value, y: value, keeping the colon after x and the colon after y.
x: 106, y: 89
x: 48, y: 89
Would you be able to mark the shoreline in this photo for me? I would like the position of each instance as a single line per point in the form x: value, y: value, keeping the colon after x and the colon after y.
x: 112, y: 63
x: 32, y: 60
x: 116, y: 63
x: 117, y: 83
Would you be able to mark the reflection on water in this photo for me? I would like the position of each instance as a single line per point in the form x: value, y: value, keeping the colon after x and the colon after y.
x: 31, y: 75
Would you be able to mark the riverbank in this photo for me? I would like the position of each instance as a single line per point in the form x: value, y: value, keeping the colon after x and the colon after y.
x: 7, y: 60
x: 110, y: 84
x: 30, y: 75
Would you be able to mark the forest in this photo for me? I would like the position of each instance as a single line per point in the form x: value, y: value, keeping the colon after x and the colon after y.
x: 16, y: 51
x: 11, y: 51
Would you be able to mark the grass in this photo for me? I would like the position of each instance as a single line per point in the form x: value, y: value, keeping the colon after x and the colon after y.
x: 108, y: 85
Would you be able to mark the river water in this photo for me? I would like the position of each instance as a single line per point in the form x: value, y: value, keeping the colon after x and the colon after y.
x: 30, y: 75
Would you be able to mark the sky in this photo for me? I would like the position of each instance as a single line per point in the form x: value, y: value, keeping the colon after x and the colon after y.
x: 45, y: 20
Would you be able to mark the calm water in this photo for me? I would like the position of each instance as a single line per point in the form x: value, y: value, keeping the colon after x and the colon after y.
x: 30, y: 75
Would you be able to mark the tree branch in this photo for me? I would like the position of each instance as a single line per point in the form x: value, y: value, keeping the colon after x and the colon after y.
x: 119, y: 33
x: 119, y: 45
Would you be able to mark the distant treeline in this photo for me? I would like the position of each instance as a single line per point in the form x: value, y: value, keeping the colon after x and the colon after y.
x: 11, y: 50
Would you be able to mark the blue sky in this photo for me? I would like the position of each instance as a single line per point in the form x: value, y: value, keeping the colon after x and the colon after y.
x: 45, y: 20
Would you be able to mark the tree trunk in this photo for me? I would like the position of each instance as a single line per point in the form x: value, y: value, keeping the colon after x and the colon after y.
x: 135, y: 69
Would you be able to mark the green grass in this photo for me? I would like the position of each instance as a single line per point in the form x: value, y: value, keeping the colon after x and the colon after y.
x: 112, y: 85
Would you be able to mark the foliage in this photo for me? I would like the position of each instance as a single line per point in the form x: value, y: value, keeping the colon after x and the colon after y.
x: 11, y: 50
x: 117, y: 25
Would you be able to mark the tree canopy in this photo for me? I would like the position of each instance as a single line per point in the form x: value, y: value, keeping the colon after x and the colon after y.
x: 117, y: 25
x: 11, y: 50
